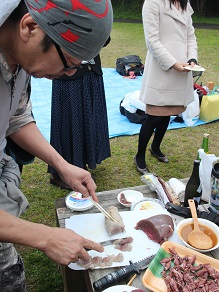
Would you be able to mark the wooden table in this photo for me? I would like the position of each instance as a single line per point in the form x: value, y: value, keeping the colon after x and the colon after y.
x: 81, y: 281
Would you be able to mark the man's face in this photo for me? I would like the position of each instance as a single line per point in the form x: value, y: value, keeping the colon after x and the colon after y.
x: 49, y: 64
x: 29, y: 53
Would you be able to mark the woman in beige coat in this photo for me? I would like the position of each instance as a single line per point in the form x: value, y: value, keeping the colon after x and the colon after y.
x: 167, y: 87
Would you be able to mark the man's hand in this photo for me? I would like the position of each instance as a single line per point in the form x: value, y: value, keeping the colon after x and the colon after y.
x: 64, y: 246
x: 80, y: 180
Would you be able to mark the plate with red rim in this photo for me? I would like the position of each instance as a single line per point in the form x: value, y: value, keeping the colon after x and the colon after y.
x: 152, y: 278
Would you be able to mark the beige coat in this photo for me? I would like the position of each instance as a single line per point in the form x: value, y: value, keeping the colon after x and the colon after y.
x: 170, y: 38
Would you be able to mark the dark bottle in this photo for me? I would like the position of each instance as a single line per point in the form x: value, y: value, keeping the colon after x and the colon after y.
x: 193, y: 188
x: 204, y: 144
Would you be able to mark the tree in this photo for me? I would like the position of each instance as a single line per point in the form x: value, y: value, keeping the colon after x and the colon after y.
x: 206, y: 8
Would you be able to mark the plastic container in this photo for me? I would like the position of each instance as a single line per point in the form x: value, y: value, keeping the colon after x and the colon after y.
x: 75, y: 202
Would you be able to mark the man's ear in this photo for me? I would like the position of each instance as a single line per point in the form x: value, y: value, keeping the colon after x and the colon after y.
x: 28, y: 27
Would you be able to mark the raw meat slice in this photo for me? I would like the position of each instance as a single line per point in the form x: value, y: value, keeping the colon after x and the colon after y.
x: 158, y: 228
x: 113, y: 227
x: 124, y: 247
x: 124, y: 244
x: 124, y: 200
x: 101, y: 262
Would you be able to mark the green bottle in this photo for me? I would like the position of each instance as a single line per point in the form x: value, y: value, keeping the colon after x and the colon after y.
x: 204, y: 144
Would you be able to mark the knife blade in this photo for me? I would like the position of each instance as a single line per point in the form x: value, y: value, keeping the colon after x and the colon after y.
x: 116, y: 276
x: 111, y: 241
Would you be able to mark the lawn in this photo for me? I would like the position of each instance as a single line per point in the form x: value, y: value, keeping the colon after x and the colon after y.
x: 118, y: 171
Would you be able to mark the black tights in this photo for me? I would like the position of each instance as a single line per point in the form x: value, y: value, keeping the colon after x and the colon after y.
x: 147, y: 129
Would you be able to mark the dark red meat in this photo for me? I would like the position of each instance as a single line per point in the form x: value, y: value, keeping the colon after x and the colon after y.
x: 124, y: 200
x: 158, y: 228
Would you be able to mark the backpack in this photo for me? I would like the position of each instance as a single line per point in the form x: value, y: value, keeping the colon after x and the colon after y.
x: 129, y: 63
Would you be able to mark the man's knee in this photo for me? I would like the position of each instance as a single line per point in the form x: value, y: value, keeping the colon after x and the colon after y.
x: 13, y: 278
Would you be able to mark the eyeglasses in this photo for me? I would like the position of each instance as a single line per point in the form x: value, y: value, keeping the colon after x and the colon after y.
x: 66, y: 66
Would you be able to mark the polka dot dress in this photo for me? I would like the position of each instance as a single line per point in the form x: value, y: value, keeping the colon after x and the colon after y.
x: 79, y: 126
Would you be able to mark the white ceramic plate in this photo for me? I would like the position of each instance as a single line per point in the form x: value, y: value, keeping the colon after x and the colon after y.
x: 120, y: 288
x: 149, y: 204
x: 74, y: 201
x: 130, y: 196
x: 195, y: 68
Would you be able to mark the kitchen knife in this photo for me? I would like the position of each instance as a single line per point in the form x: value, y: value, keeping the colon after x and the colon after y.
x: 114, y: 277
x: 111, y: 241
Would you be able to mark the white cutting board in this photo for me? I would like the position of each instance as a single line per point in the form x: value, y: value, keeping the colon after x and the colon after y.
x: 92, y: 226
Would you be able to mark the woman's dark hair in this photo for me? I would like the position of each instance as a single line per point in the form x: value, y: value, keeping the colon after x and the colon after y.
x: 16, y: 16
x: 183, y: 3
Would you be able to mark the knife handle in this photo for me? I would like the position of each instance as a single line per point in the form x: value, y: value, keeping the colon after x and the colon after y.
x: 115, y: 277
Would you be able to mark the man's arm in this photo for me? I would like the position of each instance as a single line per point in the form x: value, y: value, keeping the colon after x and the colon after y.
x: 60, y: 244
x: 29, y: 138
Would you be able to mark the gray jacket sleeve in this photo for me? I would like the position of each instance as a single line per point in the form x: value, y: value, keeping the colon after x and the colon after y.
x: 23, y: 115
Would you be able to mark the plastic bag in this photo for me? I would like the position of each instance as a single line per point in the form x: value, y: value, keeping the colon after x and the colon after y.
x: 131, y: 102
x: 191, y: 114
x: 163, y: 189
x: 178, y: 187
x: 205, y: 169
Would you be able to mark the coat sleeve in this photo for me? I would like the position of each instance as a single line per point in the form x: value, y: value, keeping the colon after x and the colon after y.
x: 23, y: 114
x: 150, y: 13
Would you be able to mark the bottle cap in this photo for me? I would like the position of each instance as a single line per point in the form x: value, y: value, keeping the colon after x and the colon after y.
x: 206, y: 135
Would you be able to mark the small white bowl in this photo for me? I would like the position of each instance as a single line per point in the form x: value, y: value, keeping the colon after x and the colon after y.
x: 130, y: 196
x: 210, y: 225
x: 147, y: 204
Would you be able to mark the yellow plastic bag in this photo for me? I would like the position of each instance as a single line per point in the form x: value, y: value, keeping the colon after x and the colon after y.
x: 209, y: 108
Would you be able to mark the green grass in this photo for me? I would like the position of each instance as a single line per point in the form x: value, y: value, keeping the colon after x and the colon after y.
x: 118, y: 171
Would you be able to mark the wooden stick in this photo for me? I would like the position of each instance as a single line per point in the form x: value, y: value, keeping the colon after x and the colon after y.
x: 131, y: 280
x: 108, y: 216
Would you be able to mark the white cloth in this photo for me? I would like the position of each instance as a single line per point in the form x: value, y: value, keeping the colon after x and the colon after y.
x: 205, y: 169
x: 131, y: 102
x: 6, y: 8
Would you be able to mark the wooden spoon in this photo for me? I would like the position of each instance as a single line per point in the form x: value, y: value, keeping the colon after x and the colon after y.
x: 198, y: 238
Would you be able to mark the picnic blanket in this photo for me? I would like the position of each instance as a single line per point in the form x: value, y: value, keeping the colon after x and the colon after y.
x: 116, y: 87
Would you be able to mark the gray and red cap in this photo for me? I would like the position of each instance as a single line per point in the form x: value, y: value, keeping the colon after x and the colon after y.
x: 80, y: 27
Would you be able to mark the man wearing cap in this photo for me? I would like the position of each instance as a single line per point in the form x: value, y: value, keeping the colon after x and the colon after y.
x: 43, y: 39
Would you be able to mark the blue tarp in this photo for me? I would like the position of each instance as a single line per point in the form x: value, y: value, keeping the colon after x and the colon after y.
x: 116, y: 87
